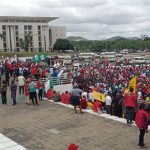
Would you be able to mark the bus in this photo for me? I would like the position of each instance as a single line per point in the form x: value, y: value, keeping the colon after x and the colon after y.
x: 68, y: 60
x: 87, y: 55
x: 110, y: 56
x: 139, y: 60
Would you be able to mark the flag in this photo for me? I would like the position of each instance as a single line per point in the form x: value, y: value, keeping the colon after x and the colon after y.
x: 49, y: 84
x: 35, y: 58
x: 43, y: 57
x: 39, y: 57
x: 99, y: 96
x: 132, y: 84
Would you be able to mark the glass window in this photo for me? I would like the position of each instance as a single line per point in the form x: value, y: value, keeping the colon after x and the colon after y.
x: 29, y: 27
x: 4, y: 38
x: 4, y: 32
x: 17, y: 44
x: 30, y: 32
x: 17, y: 38
x: 16, y: 27
x: 39, y: 32
x: 39, y: 38
x: 25, y: 27
x: 4, y: 45
x: 25, y: 32
x: 16, y: 32
x: 39, y: 27
x: 40, y: 44
x: 3, y: 27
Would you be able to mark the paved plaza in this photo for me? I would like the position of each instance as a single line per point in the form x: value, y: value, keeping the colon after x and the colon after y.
x: 50, y: 126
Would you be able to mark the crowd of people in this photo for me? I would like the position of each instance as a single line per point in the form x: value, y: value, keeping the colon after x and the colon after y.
x: 112, y: 81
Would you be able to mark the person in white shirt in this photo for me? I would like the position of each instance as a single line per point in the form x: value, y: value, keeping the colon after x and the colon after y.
x: 21, y: 83
x: 108, y: 101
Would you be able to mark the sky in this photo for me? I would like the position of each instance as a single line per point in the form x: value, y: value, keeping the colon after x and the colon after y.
x: 91, y: 19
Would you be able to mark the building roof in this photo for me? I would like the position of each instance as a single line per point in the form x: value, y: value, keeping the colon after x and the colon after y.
x: 26, y: 19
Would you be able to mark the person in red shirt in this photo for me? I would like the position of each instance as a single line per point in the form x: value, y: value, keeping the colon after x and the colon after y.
x: 97, y: 106
x: 83, y: 102
x: 50, y: 94
x: 73, y: 147
x: 26, y: 89
x: 141, y: 120
x: 43, y: 74
x: 67, y: 98
x: 130, y: 103
x: 39, y: 87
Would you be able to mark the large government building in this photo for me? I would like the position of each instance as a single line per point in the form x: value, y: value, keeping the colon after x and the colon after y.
x: 42, y: 36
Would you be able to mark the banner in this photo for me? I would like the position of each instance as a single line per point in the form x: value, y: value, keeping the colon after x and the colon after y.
x: 99, y: 96
x: 132, y: 84
x: 39, y: 57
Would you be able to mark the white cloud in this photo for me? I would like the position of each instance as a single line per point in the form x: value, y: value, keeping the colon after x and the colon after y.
x: 93, y: 19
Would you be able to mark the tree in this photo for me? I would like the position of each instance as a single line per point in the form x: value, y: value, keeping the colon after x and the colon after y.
x: 26, y: 42
x: 63, y: 44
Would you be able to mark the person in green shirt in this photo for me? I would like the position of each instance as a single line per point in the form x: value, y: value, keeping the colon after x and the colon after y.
x: 33, y: 95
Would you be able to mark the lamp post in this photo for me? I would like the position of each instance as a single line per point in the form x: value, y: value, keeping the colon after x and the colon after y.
x: 45, y: 42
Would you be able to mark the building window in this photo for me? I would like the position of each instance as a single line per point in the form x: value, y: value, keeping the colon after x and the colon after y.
x: 39, y: 27
x: 29, y: 32
x: 39, y: 32
x: 40, y: 44
x: 4, y: 33
x: 29, y: 27
x: 25, y: 27
x: 17, y: 49
x: 17, y: 38
x: 4, y: 45
x: 25, y: 32
x: 39, y: 38
x: 17, y: 33
x: 4, y: 38
x: 3, y: 27
x: 16, y: 27
x: 40, y: 49
x: 17, y: 44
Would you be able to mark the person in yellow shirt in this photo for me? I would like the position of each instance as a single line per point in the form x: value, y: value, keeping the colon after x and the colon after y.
x: 90, y: 104
x: 148, y: 99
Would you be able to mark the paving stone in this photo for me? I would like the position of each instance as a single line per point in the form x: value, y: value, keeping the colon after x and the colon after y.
x: 29, y: 126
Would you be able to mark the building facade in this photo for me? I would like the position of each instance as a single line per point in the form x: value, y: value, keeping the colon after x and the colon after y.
x: 57, y: 32
x: 14, y: 28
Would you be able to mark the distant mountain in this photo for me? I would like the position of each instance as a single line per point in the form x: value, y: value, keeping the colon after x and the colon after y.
x: 116, y: 38
x: 132, y: 38
x: 122, y: 38
x: 76, y: 38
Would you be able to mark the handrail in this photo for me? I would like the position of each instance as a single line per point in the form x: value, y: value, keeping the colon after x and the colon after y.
x: 56, y: 80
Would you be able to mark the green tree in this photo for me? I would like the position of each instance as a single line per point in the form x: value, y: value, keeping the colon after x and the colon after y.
x: 26, y: 42
x: 62, y: 44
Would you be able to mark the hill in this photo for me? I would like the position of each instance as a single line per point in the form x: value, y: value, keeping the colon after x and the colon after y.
x: 115, y: 38
x: 76, y: 38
